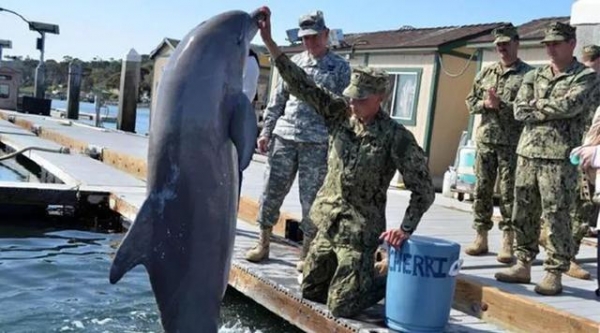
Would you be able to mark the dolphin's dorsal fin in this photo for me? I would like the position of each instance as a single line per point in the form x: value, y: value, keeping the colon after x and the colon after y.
x: 243, y: 129
x: 135, y: 247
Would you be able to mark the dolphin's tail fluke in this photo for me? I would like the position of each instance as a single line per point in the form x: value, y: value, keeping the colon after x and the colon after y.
x: 135, y: 247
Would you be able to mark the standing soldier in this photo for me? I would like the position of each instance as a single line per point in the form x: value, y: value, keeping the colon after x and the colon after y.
x: 297, y: 137
x: 585, y: 212
x: 492, y: 96
x: 552, y: 103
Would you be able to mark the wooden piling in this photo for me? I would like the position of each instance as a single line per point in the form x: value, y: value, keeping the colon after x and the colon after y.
x: 128, y: 92
x: 74, y: 89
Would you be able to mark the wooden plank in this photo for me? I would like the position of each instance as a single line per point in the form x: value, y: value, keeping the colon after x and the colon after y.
x: 37, y: 193
x: 290, y: 308
x: 133, y: 165
x: 248, y: 211
x: 515, y: 312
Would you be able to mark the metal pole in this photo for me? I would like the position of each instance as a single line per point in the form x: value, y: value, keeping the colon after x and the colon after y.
x: 1, y: 56
x: 40, y: 90
x: 98, y: 105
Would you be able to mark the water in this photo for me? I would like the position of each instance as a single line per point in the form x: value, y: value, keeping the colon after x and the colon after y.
x: 55, y: 279
x: 142, y: 122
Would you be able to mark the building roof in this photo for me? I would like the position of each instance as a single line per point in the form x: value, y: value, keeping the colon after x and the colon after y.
x: 529, y: 31
x: 410, y: 38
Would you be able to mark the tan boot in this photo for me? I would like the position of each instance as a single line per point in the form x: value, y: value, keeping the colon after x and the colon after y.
x: 260, y: 251
x: 505, y: 255
x: 480, y: 245
x: 550, y: 285
x: 518, y: 273
x: 578, y: 272
x: 305, y: 246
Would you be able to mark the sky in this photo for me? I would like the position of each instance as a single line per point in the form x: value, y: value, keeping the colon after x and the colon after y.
x: 110, y: 28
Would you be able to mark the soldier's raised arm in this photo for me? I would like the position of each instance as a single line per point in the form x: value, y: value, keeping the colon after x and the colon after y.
x: 332, y: 107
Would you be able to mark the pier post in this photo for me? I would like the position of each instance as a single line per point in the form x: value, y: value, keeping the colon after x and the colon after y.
x: 128, y: 92
x: 74, y: 89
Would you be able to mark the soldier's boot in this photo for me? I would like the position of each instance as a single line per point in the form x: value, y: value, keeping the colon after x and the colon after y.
x: 480, y: 245
x: 518, y: 273
x: 305, y: 246
x: 577, y: 271
x: 505, y: 255
x: 260, y: 251
x: 550, y: 285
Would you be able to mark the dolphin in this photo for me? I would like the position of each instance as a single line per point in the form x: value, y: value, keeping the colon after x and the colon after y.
x: 202, y: 137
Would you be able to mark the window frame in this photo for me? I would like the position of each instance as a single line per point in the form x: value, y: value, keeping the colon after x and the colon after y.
x: 7, y: 90
x: 397, y: 72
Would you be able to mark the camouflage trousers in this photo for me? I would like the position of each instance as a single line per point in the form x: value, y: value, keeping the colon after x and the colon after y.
x: 584, y: 213
x: 544, y: 189
x: 341, y: 276
x: 285, y: 159
x: 491, y: 160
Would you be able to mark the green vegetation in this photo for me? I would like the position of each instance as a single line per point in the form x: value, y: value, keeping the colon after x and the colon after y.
x: 98, y: 74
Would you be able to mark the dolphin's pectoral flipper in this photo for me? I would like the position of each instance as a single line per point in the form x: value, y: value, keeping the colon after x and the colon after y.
x: 135, y: 247
x: 243, y: 128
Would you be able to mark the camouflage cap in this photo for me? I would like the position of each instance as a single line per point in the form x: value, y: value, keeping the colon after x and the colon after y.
x: 311, y: 24
x: 591, y: 52
x: 366, y: 81
x: 558, y: 32
x: 505, y: 33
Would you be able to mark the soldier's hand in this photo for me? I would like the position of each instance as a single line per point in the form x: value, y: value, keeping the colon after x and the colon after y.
x: 263, y: 144
x: 586, y: 155
x: 264, y: 24
x: 492, y: 101
x: 394, y: 237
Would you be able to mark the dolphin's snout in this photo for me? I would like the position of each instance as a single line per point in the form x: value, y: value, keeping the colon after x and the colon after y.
x: 257, y: 15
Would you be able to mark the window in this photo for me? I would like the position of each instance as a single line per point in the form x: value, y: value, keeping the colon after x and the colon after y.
x: 4, y: 91
x: 401, y: 104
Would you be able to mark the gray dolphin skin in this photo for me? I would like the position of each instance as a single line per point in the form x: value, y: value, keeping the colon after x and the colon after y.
x: 202, y: 137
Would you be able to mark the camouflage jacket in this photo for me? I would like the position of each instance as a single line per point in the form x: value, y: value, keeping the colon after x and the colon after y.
x: 592, y: 127
x: 362, y: 161
x: 293, y: 119
x: 554, y: 110
x: 593, y: 105
x: 497, y: 126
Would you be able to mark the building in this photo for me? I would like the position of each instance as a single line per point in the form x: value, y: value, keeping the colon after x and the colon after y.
x: 432, y: 70
x: 163, y: 51
x: 10, y: 80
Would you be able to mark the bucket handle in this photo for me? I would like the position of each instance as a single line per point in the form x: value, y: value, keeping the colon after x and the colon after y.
x: 455, y: 267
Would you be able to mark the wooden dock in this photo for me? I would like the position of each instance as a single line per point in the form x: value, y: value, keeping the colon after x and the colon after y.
x: 104, y: 118
x: 111, y: 165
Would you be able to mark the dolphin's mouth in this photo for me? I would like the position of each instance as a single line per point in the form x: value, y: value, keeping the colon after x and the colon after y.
x: 255, y: 16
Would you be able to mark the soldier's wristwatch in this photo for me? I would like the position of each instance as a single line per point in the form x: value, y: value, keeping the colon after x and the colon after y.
x: 407, y: 229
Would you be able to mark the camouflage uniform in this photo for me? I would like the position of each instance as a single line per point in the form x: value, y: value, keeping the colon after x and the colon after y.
x: 585, y: 212
x: 349, y: 210
x: 545, y: 179
x: 298, y: 136
x: 497, y: 137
